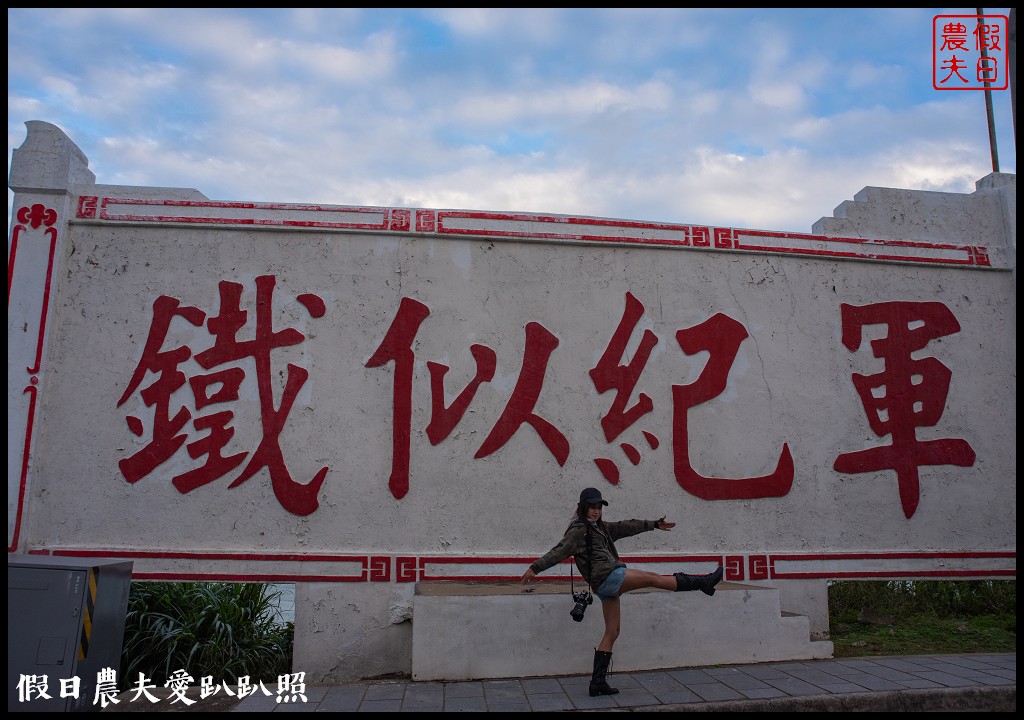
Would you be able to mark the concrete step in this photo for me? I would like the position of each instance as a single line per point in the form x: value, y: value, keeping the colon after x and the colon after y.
x: 916, y: 215
x: 464, y: 631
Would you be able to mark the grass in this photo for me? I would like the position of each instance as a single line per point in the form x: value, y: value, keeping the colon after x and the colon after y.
x: 933, y: 617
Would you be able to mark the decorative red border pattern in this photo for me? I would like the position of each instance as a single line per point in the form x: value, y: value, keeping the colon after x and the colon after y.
x: 785, y: 566
x: 289, y: 567
x: 559, y: 228
x: 33, y: 216
x: 323, y: 568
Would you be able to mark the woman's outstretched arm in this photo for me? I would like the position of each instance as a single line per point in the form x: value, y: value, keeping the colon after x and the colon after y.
x: 566, y: 547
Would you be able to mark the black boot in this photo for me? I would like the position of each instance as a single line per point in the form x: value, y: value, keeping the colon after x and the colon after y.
x: 704, y: 583
x: 599, y: 683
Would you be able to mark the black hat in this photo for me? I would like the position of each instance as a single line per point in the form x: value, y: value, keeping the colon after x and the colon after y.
x: 592, y: 496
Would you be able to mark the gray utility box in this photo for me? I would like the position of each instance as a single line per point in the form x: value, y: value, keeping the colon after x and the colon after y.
x: 65, y: 619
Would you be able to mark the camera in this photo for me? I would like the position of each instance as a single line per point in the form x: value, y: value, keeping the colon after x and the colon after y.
x: 582, y: 599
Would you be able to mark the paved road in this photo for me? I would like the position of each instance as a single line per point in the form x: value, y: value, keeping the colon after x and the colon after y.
x: 905, y: 683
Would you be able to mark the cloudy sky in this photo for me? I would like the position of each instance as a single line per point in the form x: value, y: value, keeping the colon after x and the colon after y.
x: 762, y: 119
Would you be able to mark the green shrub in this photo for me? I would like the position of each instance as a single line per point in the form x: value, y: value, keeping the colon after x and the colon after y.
x: 222, y: 630
x: 942, y: 598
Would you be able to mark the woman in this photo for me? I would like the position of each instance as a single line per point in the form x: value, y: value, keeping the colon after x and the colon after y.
x: 591, y: 541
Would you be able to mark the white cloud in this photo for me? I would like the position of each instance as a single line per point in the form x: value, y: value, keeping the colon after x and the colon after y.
x: 532, y: 24
x: 739, y: 118
x: 570, y: 101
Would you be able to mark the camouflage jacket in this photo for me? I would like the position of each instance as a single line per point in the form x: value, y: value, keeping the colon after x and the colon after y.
x: 602, y: 557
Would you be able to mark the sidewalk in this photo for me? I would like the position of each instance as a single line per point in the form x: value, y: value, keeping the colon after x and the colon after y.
x: 906, y: 683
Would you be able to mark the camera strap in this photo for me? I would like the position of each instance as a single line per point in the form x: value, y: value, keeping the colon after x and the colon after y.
x: 590, y: 554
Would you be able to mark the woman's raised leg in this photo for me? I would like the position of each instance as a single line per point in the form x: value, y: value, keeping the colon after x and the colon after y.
x: 637, y: 579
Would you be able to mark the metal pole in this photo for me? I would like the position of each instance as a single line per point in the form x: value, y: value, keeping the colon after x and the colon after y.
x: 1013, y: 72
x: 988, y: 99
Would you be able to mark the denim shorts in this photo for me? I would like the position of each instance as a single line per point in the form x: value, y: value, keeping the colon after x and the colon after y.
x: 609, y: 589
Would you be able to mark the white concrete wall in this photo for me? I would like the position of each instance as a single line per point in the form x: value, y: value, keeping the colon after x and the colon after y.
x: 492, y: 280
x: 348, y: 631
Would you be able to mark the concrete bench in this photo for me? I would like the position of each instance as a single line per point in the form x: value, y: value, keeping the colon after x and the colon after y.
x: 475, y: 630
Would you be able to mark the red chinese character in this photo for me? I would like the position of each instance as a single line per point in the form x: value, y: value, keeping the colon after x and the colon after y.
x: 721, y: 336
x: 903, y: 405
x: 987, y: 70
x: 608, y: 374
x: 986, y: 37
x: 954, y: 65
x: 954, y: 36
x: 166, y: 440
x: 444, y: 419
x: 396, y: 347
x: 218, y: 387
x: 540, y: 343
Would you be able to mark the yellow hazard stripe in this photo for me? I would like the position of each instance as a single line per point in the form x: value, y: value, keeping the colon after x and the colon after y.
x: 90, y: 608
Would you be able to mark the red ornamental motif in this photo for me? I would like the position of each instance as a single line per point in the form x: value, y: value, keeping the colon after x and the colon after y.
x: 37, y: 215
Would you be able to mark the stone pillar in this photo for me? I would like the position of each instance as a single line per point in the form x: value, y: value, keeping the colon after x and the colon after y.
x: 44, y: 171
